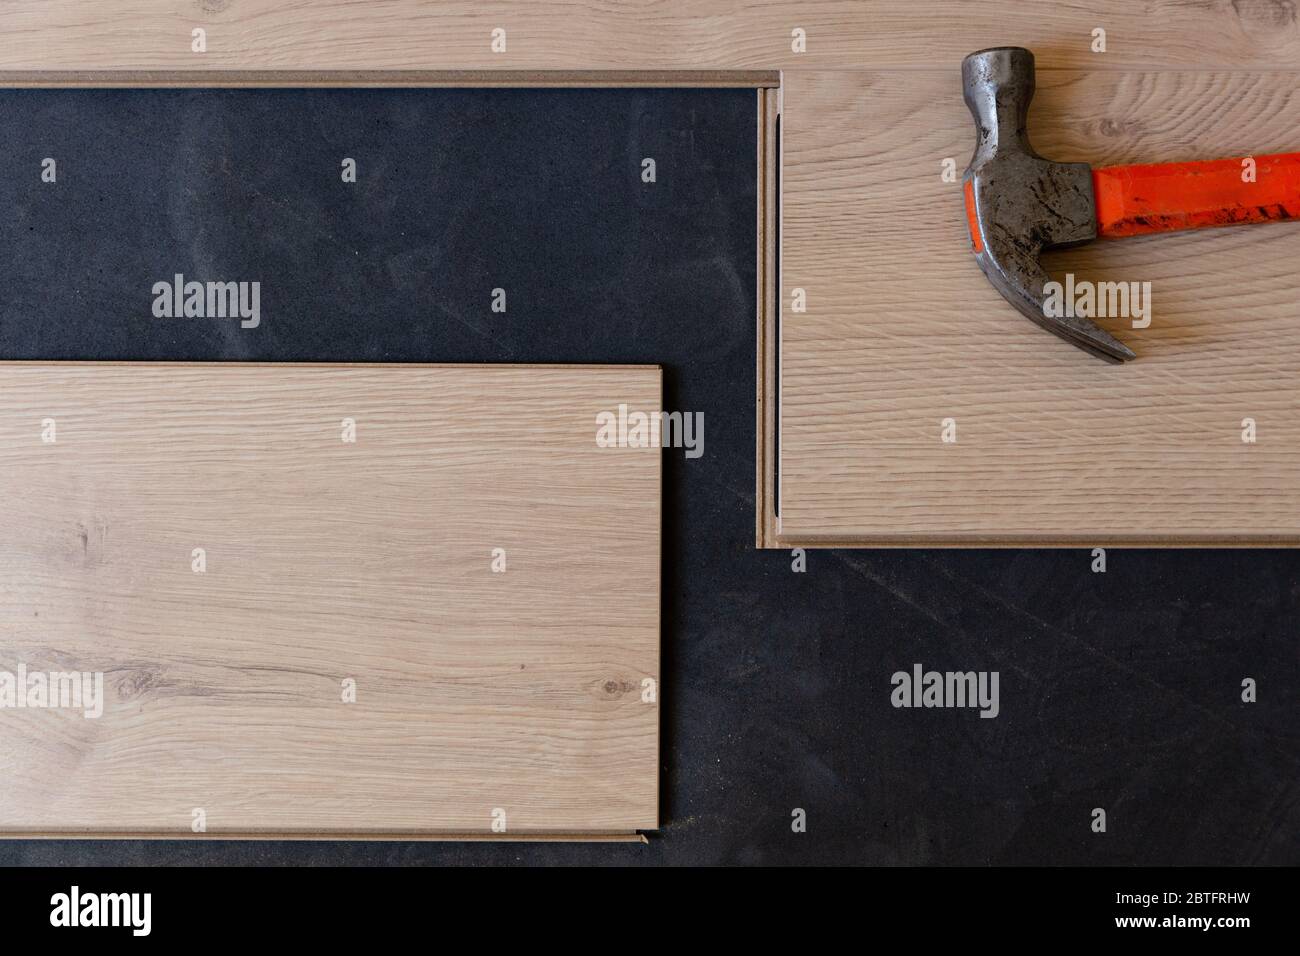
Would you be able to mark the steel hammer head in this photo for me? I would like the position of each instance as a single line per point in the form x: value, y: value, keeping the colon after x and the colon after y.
x: 1019, y: 203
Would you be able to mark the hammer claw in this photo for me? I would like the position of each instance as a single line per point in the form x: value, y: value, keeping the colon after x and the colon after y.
x: 1022, y: 282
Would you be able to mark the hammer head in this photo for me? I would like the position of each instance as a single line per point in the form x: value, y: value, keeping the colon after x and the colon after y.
x: 1019, y: 203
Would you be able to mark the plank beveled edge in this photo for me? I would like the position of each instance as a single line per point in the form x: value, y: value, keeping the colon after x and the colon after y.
x: 342, y: 79
x: 594, y: 836
x: 1035, y: 542
x: 765, y: 455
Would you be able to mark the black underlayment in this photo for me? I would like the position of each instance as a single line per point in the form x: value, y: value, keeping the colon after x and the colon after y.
x: 1119, y: 690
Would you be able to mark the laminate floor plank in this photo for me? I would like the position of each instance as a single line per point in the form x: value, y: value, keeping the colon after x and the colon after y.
x: 902, y: 331
x: 485, y: 681
x: 131, y: 35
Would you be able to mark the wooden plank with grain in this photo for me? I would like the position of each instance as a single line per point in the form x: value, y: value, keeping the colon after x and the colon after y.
x: 903, y: 331
x: 665, y: 35
x: 324, y: 561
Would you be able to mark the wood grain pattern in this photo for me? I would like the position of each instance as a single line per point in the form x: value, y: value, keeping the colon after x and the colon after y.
x: 637, y: 34
x: 902, y: 330
x: 326, y: 561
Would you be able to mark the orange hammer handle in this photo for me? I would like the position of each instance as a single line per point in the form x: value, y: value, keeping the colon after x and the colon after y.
x: 1165, y: 197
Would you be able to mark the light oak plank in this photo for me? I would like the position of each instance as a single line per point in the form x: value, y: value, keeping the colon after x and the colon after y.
x: 637, y: 34
x: 326, y: 561
x: 902, y: 329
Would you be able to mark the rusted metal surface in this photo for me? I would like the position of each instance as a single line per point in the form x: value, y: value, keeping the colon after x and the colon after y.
x: 1019, y: 203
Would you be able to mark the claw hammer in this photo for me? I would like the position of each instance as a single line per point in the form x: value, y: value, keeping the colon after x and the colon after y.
x: 1018, y: 203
